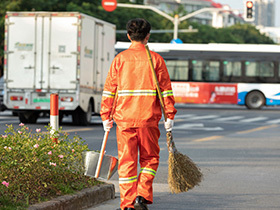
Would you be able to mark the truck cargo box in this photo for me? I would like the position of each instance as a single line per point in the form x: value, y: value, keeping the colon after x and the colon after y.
x: 68, y: 53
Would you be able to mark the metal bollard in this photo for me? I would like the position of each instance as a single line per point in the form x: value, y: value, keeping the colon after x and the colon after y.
x: 54, y: 116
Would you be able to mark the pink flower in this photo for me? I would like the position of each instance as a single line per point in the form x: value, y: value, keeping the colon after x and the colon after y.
x: 50, y: 153
x: 5, y: 183
x: 36, y: 145
x: 73, y: 150
x: 4, y: 136
x: 60, y: 156
x: 38, y: 130
x: 19, y: 132
x: 21, y: 124
x: 52, y: 164
x: 9, y: 148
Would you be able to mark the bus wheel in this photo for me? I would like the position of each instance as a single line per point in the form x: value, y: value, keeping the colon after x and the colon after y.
x: 255, y: 100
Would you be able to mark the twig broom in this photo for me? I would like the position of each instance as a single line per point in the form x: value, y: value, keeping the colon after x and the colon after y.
x: 183, y: 174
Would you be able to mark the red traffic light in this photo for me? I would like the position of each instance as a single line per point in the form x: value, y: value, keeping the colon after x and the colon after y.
x: 249, y: 4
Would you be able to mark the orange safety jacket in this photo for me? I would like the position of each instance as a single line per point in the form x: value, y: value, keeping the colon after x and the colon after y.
x: 137, y: 103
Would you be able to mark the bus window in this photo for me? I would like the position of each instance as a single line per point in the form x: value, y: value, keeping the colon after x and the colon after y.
x: 178, y: 69
x: 259, y: 69
x: 232, y: 69
x: 206, y: 70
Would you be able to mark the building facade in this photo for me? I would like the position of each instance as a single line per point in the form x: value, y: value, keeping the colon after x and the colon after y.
x: 264, y: 13
x: 272, y: 32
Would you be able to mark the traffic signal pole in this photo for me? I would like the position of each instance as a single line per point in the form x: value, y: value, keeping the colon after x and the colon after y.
x: 175, y: 20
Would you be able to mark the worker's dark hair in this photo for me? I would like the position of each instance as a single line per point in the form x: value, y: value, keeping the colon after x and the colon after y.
x: 138, y: 29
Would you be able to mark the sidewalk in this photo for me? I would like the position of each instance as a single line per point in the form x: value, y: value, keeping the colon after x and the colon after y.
x: 159, y: 190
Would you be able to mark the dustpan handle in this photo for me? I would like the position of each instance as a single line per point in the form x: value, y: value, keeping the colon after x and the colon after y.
x: 101, y: 155
x: 156, y: 81
x: 105, y: 138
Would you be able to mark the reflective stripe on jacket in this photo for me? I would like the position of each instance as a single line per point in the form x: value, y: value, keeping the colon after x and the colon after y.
x: 137, y: 102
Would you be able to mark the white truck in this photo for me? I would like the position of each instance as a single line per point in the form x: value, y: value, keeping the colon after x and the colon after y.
x: 68, y: 53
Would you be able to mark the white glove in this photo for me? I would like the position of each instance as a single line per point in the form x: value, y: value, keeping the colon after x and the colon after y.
x: 107, y: 125
x: 168, y: 124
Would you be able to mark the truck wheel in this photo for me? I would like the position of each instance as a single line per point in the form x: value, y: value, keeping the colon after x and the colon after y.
x: 28, y: 117
x: 88, y: 113
x: 80, y: 117
x: 22, y: 118
x: 60, y: 117
x: 255, y: 100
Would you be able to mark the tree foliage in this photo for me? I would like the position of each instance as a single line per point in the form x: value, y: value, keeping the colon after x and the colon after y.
x: 240, y: 33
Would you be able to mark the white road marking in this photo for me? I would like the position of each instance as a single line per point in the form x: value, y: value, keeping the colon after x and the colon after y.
x: 273, y: 121
x: 254, y: 119
x: 184, y: 116
x: 203, y: 117
x: 230, y: 118
x: 196, y: 126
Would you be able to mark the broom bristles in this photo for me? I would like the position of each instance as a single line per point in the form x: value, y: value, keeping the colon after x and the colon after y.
x: 183, y: 173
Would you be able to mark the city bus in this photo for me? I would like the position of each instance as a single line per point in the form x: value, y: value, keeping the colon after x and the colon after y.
x: 243, y: 74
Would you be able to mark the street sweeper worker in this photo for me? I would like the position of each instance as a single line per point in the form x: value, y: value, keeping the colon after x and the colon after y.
x: 137, y: 114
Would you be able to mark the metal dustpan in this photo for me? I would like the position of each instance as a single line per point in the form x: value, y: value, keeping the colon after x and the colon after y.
x: 98, y: 164
x: 108, y: 166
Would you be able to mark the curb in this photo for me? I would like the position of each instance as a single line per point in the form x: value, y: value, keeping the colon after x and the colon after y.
x: 85, y: 198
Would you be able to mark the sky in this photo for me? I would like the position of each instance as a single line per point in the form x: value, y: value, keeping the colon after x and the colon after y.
x: 238, y: 4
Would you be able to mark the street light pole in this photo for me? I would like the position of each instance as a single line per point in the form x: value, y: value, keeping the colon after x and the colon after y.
x: 201, y: 11
x: 137, y: 6
x: 175, y: 20
x: 176, y: 25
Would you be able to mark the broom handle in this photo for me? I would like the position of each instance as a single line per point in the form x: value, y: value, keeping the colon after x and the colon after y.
x: 156, y: 81
x: 105, y: 138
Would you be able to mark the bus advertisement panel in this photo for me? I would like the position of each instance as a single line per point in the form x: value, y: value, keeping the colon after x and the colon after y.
x: 205, y: 93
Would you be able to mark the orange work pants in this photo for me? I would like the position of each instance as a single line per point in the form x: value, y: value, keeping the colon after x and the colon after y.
x: 130, y: 140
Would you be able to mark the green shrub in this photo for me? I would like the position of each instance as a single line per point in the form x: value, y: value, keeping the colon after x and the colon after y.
x: 34, y: 168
